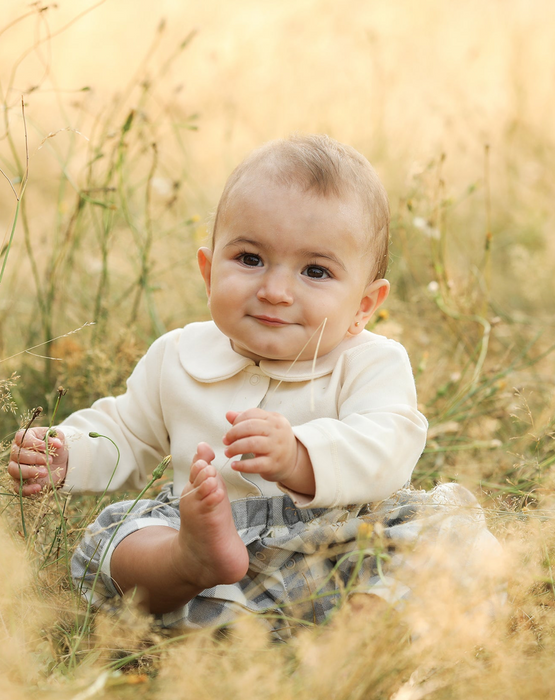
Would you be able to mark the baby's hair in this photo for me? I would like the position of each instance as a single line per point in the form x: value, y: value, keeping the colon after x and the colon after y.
x: 320, y: 164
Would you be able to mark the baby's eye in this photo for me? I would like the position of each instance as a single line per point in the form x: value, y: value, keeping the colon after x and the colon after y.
x: 316, y: 272
x: 250, y: 259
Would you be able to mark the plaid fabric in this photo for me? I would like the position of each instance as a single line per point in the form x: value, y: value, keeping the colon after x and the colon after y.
x: 304, y: 563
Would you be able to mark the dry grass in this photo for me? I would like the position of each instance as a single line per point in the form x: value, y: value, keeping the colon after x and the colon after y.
x: 128, y: 151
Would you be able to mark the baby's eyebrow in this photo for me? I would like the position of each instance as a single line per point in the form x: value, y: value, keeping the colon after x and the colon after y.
x: 240, y: 240
x: 327, y: 255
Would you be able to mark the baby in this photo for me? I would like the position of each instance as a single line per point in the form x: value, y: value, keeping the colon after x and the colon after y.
x: 302, y: 411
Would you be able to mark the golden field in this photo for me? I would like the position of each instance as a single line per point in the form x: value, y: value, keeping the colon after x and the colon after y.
x: 134, y: 114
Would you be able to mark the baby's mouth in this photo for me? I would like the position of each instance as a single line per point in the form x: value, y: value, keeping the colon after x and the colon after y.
x: 271, y: 321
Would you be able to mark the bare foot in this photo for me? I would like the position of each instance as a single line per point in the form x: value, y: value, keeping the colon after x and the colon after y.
x: 208, y: 550
x: 172, y: 566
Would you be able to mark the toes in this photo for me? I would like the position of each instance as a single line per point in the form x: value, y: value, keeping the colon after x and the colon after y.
x: 199, y: 470
x: 196, y: 469
x: 205, y: 452
x: 204, y: 472
x: 211, y: 493
x: 209, y: 488
x: 214, y: 499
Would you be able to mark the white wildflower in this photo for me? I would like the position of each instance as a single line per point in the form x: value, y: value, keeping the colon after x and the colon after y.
x: 427, y: 229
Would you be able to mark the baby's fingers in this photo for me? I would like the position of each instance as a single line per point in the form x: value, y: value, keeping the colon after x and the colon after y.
x: 33, y: 438
x: 23, y: 455
x: 234, y: 417
x: 29, y: 489
x: 247, y: 428
x: 255, y: 444
x: 257, y: 464
x: 26, y: 471
x: 30, y: 482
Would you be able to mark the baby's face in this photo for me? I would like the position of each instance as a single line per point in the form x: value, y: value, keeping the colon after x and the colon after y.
x: 283, y: 261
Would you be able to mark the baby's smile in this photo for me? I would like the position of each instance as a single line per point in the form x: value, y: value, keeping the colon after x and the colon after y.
x: 284, y: 260
x: 271, y: 321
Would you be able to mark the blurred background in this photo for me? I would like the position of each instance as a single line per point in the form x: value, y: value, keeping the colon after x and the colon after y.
x: 136, y: 112
x: 119, y: 123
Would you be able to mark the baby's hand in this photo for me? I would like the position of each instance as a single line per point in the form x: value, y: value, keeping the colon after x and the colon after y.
x: 28, y: 460
x: 269, y: 437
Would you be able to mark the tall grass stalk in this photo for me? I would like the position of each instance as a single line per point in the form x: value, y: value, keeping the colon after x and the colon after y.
x: 156, y: 475
x: 18, y: 195
x: 109, y: 222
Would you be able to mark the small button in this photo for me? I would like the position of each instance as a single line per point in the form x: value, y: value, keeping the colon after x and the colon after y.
x: 260, y: 555
x: 290, y: 564
x: 254, y: 379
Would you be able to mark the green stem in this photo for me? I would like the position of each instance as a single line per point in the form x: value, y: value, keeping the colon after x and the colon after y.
x: 30, y: 422
x: 51, y: 432
x: 95, y: 511
x: 8, y: 247
x: 156, y: 474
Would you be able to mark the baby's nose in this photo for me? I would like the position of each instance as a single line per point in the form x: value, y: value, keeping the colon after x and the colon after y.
x: 276, y: 288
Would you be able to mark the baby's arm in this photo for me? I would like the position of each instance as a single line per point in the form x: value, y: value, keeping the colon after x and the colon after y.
x: 133, y: 436
x: 28, y: 460
x: 278, y: 455
x: 367, y: 434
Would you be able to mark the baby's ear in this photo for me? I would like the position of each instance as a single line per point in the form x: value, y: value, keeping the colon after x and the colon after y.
x: 374, y: 296
x: 204, y: 257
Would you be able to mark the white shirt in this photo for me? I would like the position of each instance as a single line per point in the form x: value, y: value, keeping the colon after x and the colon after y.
x: 355, y: 412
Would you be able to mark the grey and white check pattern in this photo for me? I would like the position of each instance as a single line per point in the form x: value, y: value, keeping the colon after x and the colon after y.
x: 304, y: 563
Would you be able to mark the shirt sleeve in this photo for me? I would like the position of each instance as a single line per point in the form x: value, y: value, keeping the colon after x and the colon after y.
x: 134, y: 422
x: 371, y: 449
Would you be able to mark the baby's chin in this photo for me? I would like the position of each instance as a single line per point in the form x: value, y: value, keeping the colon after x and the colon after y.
x: 246, y: 352
x: 304, y: 356
x: 258, y: 356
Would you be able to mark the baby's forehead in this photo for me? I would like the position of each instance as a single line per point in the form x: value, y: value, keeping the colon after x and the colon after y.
x: 321, y: 169
x: 263, y: 185
x: 256, y: 197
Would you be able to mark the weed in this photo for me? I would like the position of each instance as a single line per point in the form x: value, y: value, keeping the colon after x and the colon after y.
x: 103, y: 201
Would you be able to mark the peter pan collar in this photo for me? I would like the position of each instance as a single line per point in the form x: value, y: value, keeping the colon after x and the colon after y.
x: 206, y: 354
